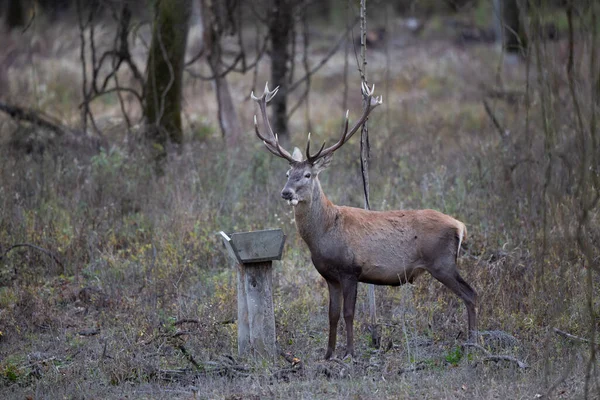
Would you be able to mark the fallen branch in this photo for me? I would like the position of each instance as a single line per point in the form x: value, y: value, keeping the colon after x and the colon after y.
x: 227, y: 368
x: 28, y: 115
x: 89, y: 332
x: 284, y: 373
x: 494, y: 357
x: 570, y: 336
x: 188, y: 356
x: 478, y: 347
x: 186, y: 321
x: 167, y: 336
x: 497, y: 358
x: 414, y: 368
x: 46, y: 252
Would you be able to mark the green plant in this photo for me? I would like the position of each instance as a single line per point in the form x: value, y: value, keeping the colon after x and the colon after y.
x: 454, y: 356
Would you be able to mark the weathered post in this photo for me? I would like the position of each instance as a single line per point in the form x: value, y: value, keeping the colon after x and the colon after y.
x: 253, y: 253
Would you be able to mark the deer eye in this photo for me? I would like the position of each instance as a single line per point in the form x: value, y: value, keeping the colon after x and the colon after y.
x: 307, y: 175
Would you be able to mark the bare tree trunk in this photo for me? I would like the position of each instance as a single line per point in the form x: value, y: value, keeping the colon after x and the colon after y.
x: 15, y: 13
x: 509, y: 25
x: 163, y: 87
x: 228, y: 118
x: 214, y: 24
x: 364, y: 167
x: 280, y: 28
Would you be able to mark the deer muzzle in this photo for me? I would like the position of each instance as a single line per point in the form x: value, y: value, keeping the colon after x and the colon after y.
x: 289, y: 195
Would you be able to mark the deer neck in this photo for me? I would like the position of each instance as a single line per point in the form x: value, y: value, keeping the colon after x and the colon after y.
x: 314, y: 216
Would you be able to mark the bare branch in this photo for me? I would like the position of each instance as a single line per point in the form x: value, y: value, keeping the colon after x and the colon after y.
x: 494, y: 357
x: 32, y: 246
x: 512, y: 359
x: 495, y: 121
x: 34, y: 117
x: 326, y: 58
x: 570, y: 336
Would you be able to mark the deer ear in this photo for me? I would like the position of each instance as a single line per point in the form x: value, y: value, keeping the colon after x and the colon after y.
x: 297, y: 154
x: 322, y: 163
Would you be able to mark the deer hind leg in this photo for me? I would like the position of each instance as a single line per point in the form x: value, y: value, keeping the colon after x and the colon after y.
x: 349, y: 288
x: 335, y: 305
x: 447, y: 274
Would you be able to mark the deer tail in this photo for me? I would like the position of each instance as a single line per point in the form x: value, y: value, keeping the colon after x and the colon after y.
x: 462, y: 235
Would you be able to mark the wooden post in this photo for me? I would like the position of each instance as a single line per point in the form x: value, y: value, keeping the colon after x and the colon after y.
x: 253, y: 253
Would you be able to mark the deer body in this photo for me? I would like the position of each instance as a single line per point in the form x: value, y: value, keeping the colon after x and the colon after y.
x: 381, y: 248
x: 350, y: 245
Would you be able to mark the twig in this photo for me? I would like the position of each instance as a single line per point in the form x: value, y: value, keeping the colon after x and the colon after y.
x: 495, y: 357
x: 186, y: 321
x: 117, y: 89
x: 478, y: 347
x: 188, y: 356
x: 221, y: 74
x: 46, y: 252
x: 89, y: 332
x: 28, y: 115
x: 414, y: 368
x: 570, y: 336
x: 284, y: 373
x: 326, y: 58
x: 495, y: 121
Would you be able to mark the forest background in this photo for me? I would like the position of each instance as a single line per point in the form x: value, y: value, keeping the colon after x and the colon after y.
x: 127, y: 144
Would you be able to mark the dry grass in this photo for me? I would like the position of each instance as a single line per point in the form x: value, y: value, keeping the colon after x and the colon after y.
x: 140, y: 253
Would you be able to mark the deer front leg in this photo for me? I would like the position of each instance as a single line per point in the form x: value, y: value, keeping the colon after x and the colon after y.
x: 335, y: 304
x: 349, y: 288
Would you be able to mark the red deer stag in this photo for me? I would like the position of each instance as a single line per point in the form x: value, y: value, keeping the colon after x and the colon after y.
x: 350, y: 245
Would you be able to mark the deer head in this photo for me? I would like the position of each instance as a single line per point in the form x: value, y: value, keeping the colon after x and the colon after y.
x: 303, y: 173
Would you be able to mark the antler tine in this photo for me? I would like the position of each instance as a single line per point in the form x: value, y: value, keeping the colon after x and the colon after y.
x: 366, y: 91
x: 316, y: 156
x: 345, y: 125
x: 272, y: 143
x: 263, y: 139
x: 371, y: 103
x: 272, y: 94
x: 283, y: 152
x: 268, y: 94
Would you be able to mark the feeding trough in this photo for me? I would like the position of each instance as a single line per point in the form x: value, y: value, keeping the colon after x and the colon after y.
x: 253, y: 253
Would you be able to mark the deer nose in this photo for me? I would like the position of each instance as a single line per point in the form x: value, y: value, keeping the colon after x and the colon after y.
x: 287, y: 194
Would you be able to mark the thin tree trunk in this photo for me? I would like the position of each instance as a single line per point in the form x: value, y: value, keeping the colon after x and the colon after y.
x: 15, y: 13
x: 514, y: 38
x: 280, y: 28
x: 364, y: 167
x: 229, y: 122
x: 228, y: 118
x: 163, y: 87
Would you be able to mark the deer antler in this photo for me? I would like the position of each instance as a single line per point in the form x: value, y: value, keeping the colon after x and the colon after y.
x: 272, y: 143
x: 370, y: 102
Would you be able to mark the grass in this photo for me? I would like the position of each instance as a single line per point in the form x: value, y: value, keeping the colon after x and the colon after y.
x: 140, y: 253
